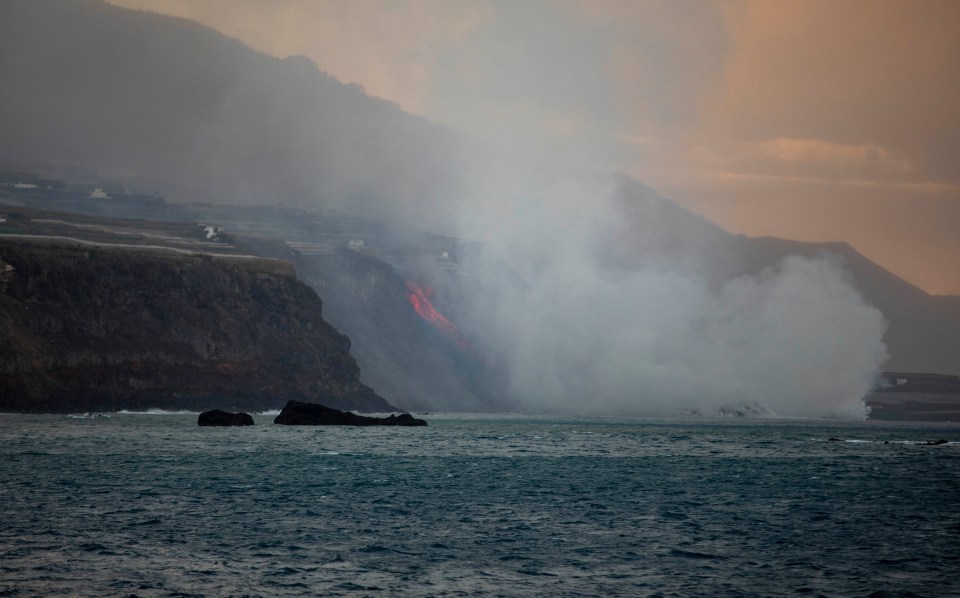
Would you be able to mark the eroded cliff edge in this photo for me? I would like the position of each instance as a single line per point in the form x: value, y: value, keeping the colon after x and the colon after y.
x: 106, y: 328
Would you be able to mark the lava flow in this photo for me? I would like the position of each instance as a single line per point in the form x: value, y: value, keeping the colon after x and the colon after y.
x: 418, y: 298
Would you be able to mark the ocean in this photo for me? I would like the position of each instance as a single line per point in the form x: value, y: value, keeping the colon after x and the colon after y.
x: 153, y: 505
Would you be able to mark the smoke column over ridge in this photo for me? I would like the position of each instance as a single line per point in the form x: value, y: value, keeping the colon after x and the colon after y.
x: 623, y: 311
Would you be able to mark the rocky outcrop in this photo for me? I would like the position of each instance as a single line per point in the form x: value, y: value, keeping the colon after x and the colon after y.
x: 217, y: 417
x: 298, y: 413
x: 87, y: 328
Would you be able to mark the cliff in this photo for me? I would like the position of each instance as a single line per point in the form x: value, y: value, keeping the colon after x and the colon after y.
x: 401, y: 355
x: 93, y: 328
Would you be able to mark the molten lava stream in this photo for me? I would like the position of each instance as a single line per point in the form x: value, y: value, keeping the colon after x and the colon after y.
x: 418, y: 298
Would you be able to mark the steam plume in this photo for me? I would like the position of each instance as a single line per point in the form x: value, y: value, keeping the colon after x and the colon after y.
x: 622, y: 314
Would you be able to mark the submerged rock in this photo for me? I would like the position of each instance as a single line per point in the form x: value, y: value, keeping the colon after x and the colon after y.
x: 299, y: 413
x: 217, y: 417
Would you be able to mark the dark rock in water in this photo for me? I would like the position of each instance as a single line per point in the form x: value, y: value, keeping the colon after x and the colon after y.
x: 298, y: 413
x: 936, y: 442
x: 224, y: 418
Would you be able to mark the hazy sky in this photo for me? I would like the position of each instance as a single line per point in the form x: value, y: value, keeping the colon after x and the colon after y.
x: 808, y: 120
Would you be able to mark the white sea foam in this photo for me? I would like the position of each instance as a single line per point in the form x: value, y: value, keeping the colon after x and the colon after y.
x: 158, y: 412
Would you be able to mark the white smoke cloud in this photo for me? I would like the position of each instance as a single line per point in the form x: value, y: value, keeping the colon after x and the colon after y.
x: 598, y: 329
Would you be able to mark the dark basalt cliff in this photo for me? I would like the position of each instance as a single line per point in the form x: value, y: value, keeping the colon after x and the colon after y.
x: 92, y: 329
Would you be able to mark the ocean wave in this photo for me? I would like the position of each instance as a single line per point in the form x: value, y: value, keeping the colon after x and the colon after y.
x: 158, y: 412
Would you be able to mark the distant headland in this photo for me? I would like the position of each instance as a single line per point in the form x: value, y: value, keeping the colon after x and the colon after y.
x: 97, y: 317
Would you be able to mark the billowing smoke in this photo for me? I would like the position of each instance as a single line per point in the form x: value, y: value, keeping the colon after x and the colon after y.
x: 625, y: 309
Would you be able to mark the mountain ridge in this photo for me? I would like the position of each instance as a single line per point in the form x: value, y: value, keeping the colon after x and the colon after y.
x: 165, y: 104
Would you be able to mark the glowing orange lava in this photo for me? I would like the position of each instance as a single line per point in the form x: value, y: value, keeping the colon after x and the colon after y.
x: 419, y: 299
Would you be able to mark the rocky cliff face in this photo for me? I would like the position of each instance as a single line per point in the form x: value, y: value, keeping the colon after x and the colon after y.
x: 92, y: 328
x: 402, y: 356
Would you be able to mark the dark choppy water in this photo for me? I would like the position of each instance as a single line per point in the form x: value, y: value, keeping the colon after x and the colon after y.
x: 152, y: 505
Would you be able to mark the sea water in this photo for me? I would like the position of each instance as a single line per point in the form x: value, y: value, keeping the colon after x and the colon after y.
x: 153, y: 505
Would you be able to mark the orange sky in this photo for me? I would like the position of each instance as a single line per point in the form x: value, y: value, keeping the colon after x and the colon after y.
x: 814, y: 120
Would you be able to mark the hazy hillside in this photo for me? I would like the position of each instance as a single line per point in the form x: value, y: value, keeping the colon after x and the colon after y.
x: 168, y: 105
